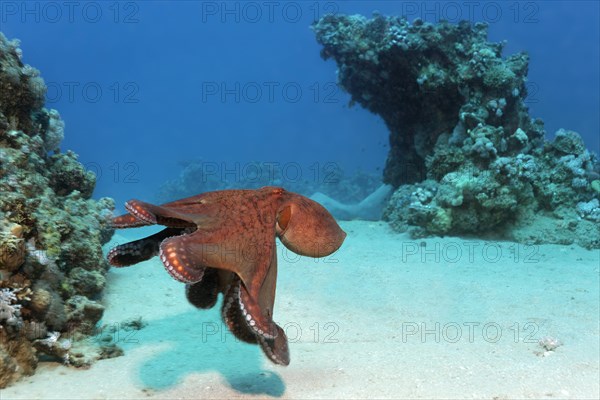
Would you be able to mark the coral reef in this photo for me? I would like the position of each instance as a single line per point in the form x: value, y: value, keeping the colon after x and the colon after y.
x: 465, y: 156
x: 51, y: 231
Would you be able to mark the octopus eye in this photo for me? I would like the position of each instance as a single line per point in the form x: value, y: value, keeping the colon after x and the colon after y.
x: 283, y: 219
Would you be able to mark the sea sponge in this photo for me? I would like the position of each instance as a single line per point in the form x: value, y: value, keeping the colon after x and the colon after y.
x: 56, y: 316
x: 55, y: 132
x: 35, y: 330
x: 16, y: 230
x: 499, y: 76
x: 88, y: 283
x: 568, y: 142
x: 83, y: 314
x: 12, y: 249
x: 68, y: 175
x: 40, y: 301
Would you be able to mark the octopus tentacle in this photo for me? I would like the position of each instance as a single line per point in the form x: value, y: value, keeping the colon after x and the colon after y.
x: 127, y: 221
x: 204, y: 294
x: 257, y: 296
x: 140, y: 250
x: 232, y: 315
x: 139, y: 210
x: 128, y: 254
x: 261, y: 324
x: 178, y: 262
x: 277, y: 349
x: 152, y: 214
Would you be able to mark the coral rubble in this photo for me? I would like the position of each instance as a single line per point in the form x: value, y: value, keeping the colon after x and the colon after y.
x: 465, y: 156
x: 51, y: 231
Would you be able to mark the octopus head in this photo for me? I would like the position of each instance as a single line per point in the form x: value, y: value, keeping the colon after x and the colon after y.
x: 307, y: 228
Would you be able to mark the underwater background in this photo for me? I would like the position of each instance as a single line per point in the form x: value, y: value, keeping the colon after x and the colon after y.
x: 144, y: 86
x: 463, y: 172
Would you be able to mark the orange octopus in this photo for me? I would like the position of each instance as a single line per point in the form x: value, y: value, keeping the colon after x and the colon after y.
x: 224, y: 241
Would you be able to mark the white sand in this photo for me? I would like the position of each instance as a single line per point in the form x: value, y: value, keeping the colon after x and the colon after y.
x: 356, y: 326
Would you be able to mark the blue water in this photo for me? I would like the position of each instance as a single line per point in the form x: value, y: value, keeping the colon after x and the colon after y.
x: 145, y: 85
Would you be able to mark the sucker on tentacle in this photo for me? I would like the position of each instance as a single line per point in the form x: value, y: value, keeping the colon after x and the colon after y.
x: 140, y: 250
x: 138, y: 211
x: 251, y: 312
x: 232, y: 316
x: 275, y: 349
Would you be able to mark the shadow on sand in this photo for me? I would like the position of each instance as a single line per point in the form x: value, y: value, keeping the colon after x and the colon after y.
x: 199, y: 342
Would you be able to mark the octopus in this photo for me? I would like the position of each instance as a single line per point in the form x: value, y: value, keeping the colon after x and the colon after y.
x: 224, y: 242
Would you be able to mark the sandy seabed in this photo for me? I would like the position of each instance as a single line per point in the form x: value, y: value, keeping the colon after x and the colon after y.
x: 384, y: 317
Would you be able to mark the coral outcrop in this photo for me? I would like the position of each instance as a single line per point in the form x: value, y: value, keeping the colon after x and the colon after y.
x: 51, y: 231
x: 465, y: 156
